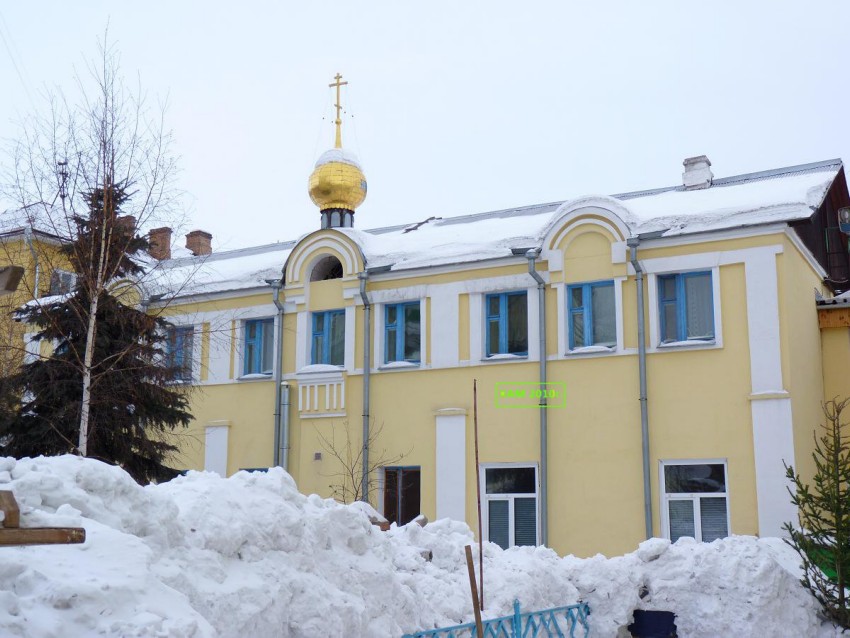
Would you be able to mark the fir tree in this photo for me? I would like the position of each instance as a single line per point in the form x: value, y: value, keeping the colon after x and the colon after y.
x: 822, y: 538
x: 129, y: 407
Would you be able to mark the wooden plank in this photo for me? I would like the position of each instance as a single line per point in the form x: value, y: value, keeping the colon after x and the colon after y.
x: 834, y: 318
x: 42, y: 536
x: 12, y: 515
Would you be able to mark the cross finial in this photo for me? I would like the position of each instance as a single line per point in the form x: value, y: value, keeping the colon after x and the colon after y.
x: 338, y: 121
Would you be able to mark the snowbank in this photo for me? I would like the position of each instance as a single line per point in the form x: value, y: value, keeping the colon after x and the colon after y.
x: 205, y: 556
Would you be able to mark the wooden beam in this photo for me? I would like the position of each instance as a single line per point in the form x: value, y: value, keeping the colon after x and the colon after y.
x: 834, y: 317
x: 42, y: 536
x: 11, y: 513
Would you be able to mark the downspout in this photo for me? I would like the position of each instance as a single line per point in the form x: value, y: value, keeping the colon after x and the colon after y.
x: 281, y: 425
x: 531, y: 255
x: 632, y: 243
x: 367, y: 367
x: 28, y: 239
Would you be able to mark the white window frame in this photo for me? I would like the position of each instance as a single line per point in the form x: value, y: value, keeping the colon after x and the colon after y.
x: 380, y: 335
x: 486, y: 498
x: 242, y: 327
x: 697, y: 263
x: 694, y: 497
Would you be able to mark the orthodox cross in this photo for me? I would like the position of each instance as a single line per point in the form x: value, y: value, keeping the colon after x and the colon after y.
x: 338, y: 121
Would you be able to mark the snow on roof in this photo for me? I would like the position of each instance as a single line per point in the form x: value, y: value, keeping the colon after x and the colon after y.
x: 767, y: 197
x: 337, y: 155
x: 240, y: 269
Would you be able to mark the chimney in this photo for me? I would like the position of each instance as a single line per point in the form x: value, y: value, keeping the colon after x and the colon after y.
x: 127, y: 223
x: 697, y: 173
x: 199, y: 242
x: 160, y: 243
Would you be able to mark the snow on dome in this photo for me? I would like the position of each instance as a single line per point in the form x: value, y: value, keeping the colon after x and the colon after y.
x: 203, y: 556
x: 338, y: 155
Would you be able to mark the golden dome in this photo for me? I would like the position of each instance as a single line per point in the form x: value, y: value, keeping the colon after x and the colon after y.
x: 337, y: 182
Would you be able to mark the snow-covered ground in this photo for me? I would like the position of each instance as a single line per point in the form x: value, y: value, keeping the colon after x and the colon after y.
x: 250, y: 556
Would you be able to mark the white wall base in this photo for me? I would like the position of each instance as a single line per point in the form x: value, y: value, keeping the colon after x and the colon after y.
x: 215, y: 449
x: 773, y: 443
x: 451, y: 465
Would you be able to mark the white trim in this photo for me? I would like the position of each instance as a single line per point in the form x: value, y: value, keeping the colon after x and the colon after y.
x: 476, y: 326
x: 532, y: 315
x: 664, y: 499
x: 559, y: 236
x: 215, y: 448
x: 302, y: 338
x: 562, y: 318
x: 763, y: 323
x: 350, y: 338
x: 430, y: 271
x: 655, y: 344
x: 444, y: 313
x: 485, y: 498
x: 450, y: 434
x: 773, y: 445
x: 708, y: 236
x: 806, y: 253
x: 378, y: 363
x: 311, y: 247
x: 618, y: 311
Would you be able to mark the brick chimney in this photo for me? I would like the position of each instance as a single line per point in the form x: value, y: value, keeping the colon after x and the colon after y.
x: 160, y: 243
x: 127, y: 223
x: 697, y: 173
x: 199, y: 242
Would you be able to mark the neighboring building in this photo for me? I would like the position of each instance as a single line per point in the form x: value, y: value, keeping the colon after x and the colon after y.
x: 31, y: 259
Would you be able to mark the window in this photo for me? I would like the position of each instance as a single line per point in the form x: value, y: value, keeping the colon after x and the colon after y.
x: 510, y: 498
x: 507, y: 323
x: 259, y: 346
x: 326, y: 268
x: 178, y: 351
x: 61, y: 282
x: 695, y: 500
x: 401, y: 332
x: 329, y: 337
x: 592, y: 315
x: 686, y: 307
x: 401, y: 494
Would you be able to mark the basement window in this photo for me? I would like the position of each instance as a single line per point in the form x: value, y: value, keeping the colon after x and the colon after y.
x: 695, y: 500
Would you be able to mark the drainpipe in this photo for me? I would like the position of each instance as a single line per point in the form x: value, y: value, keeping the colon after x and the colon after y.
x: 28, y: 239
x: 531, y: 255
x: 632, y: 243
x: 281, y: 434
x: 367, y: 367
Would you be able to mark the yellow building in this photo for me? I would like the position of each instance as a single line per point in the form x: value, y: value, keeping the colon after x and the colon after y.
x: 645, y: 363
x: 31, y: 266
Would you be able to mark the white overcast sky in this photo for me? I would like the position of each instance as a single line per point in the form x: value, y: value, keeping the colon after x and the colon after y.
x: 453, y: 107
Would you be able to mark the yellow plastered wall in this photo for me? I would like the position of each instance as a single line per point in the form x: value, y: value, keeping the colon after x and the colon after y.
x: 803, y: 366
x: 836, y: 362
x: 698, y: 402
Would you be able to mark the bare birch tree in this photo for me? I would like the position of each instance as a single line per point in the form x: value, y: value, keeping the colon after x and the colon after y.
x: 108, y: 142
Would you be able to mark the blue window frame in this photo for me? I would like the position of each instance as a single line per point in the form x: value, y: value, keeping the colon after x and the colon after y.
x: 259, y: 346
x: 686, y: 307
x: 178, y: 351
x: 507, y: 323
x: 592, y: 314
x: 402, y: 331
x: 328, y: 344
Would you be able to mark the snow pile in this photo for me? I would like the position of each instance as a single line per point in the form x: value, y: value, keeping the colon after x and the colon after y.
x: 205, y: 556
